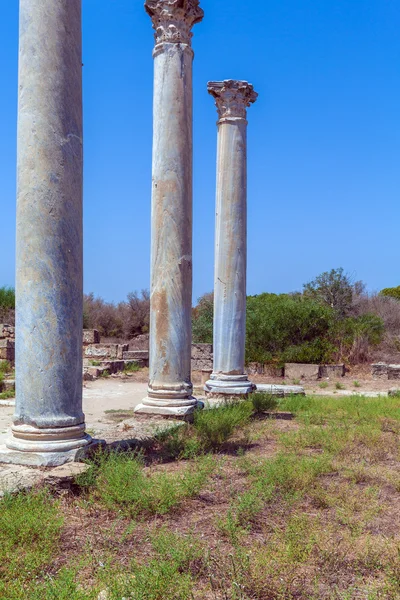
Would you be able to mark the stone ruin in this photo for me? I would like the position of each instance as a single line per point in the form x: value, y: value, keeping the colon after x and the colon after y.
x: 385, y: 371
x: 7, y: 343
x: 99, y: 358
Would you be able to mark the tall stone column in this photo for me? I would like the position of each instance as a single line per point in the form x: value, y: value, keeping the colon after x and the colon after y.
x: 48, y: 422
x: 170, y: 388
x: 229, y: 378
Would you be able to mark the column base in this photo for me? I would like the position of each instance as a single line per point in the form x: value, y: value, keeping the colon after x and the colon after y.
x: 168, y: 408
x: 228, y: 385
x: 30, y: 445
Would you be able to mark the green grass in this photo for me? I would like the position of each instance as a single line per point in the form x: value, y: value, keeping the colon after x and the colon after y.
x: 356, y: 384
x: 307, y: 511
x: 263, y: 402
x: 7, y: 395
x: 95, y: 363
x: 30, y: 528
x: 132, y: 367
x: 323, y: 385
x: 120, y: 482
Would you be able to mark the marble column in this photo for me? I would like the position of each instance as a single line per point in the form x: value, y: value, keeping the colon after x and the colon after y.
x: 48, y: 425
x: 170, y: 388
x: 228, y: 377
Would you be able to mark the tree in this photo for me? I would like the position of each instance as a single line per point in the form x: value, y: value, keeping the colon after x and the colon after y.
x: 202, y: 319
x: 393, y: 292
x: 7, y: 305
x: 335, y: 289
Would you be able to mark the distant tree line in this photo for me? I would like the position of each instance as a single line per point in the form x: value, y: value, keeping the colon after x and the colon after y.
x: 332, y: 319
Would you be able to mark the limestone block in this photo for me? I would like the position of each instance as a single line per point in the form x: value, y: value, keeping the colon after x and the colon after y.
x: 393, y: 372
x: 121, y: 349
x: 91, y: 336
x: 301, y: 371
x: 380, y: 370
x: 202, y: 357
x: 255, y: 368
x: 7, y: 350
x: 331, y: 371
x: 9, y: 385
x: 136, y: 355
x: 394, y: 392
x: 281, y: 390
x: 100, y: 351
x: 7, y: 331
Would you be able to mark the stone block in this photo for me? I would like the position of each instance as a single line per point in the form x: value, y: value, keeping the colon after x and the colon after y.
x: 101, y: 351
x: 280, y: 390
x: 393, y: 372
x: 7, y: 332
x: 7, y: 350
x: 256, y: 368
x: 331, y: 371
x: 394, y: 392
x: 380, y: 370
x: 136, y: 355
x: 9, y: 385
x: 121, y: 349
x: 202, y: 357
x: 91, y: 336
x: 205, y: 375
x: 301, y: 371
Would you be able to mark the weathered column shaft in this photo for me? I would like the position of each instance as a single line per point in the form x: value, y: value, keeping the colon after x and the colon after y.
x: 49, y: 296
x: 229, y: 376
x: 230, y: 250
x: 170, y: 388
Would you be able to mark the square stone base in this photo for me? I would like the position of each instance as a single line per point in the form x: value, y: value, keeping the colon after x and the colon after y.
x: 48, y: 459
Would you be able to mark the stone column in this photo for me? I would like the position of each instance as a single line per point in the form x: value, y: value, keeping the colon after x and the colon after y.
x: 228, y: 377
x: 48, y: 422
x: 170, y: 388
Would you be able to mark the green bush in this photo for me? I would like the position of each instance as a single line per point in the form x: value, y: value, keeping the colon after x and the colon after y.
x: 202, y: 320
x: 393, y: 292
x: 7, y: 297
x: 277, y: 323
x: 263, y: 401
x: 216, y: 425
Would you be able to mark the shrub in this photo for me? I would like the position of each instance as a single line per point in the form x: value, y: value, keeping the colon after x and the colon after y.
x: 202, y: 319
x: 282, y: 323
x: 216, y: 425
x: 263, y: 402
x: 393, y: 292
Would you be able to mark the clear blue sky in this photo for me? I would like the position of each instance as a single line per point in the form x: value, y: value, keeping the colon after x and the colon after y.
x: 324, y: 139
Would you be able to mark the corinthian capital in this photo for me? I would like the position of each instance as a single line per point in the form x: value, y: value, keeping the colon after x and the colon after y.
x: 174, y: 19
x: 232, y: 98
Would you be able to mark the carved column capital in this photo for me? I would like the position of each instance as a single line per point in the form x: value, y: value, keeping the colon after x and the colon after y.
x: 174, y: 19
x: 232, y: 98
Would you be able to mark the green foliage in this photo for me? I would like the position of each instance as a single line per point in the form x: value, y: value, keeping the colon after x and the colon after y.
x: 131, y: 367
x: 120, y: 482
x: 262, y: 401
x: 279, y: 324
x: 8, y: 394
x: 332, y: 288
x: 7, y: 298
x: 30, y: 527
x: 216, y: 425
x: 393, y: 292
x: 5, y: 366
x: 202, y: 320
